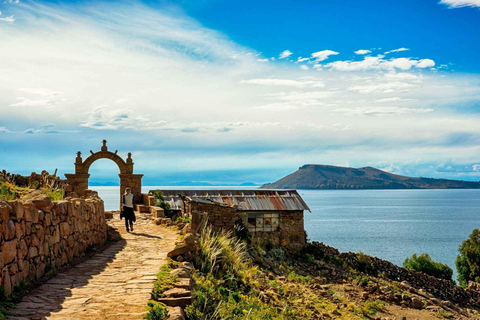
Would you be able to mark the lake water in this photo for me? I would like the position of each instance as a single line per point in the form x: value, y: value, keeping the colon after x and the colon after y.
x: 389, y: 224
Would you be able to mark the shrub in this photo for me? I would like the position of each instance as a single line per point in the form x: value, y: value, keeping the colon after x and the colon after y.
x: 278, y: 254
x: 156, y: 311
x: 371, y: 307
x: 160, y: 202
x: 54, y: 195
x: 425, y: 264
x: 6, y: 193
x: 468, y: 261
x: 364, y: 263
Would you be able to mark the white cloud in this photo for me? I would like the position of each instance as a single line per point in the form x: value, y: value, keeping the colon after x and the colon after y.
x: 476, y: 167
x: 382, y: 87
x: 9, y: 19
x: 381, y: 111
x: 285, y: 54
x: 376, y: 63
x: 300, y: 59
x: 263, y: 60
x: 461, y: 3
x: 392, y: 99
x: 425, y: 63
x: 362, y: 51
x: 11, y: 1
x: 304, y: 67
x: 403, y: 76
x: 286, y: 82
x: 323, y: 55
x: 397, y: 50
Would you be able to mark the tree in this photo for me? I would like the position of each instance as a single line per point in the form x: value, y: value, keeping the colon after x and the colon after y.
x: 468, y: 261
x: 425, y: 264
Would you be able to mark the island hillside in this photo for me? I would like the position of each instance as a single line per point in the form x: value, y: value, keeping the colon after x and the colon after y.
x: 315, y: 176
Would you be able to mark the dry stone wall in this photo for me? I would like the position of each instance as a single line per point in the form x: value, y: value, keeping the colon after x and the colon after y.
x: 444, y: 289
x: 39, y: 235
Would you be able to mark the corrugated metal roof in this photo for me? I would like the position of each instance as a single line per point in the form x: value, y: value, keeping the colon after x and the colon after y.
x: 248, y: 200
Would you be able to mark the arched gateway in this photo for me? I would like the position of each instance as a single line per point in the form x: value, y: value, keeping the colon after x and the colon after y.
x: 79, y: 180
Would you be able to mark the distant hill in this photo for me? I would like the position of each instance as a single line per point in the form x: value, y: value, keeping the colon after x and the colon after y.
x: 315, y: 176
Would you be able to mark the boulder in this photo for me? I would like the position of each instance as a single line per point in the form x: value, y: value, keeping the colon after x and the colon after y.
x: 190, y: 239
x: 178, y: 251
x: 176, y: 313
x: 417, y: 303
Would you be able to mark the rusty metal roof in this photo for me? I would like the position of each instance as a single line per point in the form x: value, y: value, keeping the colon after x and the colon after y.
x: 246, y: 200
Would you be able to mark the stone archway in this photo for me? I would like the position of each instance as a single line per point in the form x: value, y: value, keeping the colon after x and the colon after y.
x: 78, y: 181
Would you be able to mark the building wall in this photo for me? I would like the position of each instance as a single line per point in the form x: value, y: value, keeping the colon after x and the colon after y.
x: 220, y: 217
x: 39, y: 235
x: 290, y: 232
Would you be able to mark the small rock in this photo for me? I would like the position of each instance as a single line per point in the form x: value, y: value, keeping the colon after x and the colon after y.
x: 181, y: 273
x: 417, y: 303
x: 176, y: 313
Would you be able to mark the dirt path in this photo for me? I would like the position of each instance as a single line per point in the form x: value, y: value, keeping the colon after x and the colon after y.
x: 114, y: 284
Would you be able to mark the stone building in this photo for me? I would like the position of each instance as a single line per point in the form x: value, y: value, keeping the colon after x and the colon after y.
x: 271, y: 216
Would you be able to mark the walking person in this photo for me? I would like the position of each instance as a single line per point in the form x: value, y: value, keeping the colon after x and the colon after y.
x: 128, y: 201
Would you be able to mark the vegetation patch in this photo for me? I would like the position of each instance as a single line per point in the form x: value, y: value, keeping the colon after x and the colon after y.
x: 159, y: 201
x: 156, y: 311
x: 165, y: 280
x: 468, y: 260
x: 425, y: 264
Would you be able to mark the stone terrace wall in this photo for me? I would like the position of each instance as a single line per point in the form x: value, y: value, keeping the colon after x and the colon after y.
x: 440, y: 288
x: 38, y: 235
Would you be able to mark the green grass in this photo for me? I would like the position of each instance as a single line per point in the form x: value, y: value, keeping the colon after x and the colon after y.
x: 371, y: 307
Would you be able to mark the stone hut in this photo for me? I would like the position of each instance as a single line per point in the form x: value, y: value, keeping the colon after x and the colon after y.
x: 271, y: 216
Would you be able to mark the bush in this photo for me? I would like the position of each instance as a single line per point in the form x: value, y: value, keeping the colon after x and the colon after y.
x: 364, y: 263
x: 160, y: 202
x: 6, y: 193
x: 425, y: 264
x: 156, y: 311
x: 468, y: 261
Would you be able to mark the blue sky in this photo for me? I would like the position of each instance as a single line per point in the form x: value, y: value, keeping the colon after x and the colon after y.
x: 235, y: 91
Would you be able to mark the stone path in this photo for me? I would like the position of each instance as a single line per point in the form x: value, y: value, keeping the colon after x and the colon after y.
x: 113, y: 284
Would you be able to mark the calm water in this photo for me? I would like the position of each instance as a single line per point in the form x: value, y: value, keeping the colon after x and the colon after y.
x: 389, y: 224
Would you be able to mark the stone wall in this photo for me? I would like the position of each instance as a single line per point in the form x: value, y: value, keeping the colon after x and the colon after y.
x: 220, y: 217
x: 444, y: 289
x: 39, y: 235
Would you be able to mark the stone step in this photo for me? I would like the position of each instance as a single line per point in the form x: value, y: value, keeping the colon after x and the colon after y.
x: 176, y: 302
x: 177, y: 293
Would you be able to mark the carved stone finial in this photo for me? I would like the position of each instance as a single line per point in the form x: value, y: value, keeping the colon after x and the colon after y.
x: 129, y: 158
x: 79, y: 157
x: 104, y: 147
